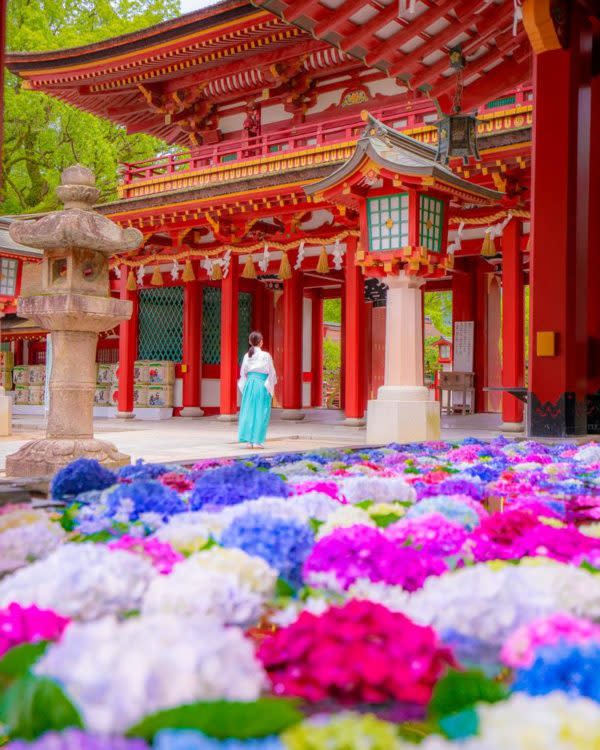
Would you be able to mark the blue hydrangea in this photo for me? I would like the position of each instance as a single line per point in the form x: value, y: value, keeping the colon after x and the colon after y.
x: 485, y: 472
x: 472, y: 652
x: 141, y: 470
x: 127, y: 502
x: 185, y: 739
x: 571, y: 668
x: 230, y: 485
x: 284, y: 543
x: 82, y: 475
x: 449, y: 507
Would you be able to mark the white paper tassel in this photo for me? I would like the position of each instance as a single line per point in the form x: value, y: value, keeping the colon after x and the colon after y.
x: 175, y: 270
x: 140, y: 275
x: 300, y: 258
x: 117, y: 270
x: 338, y: 254
x: 225, y: 263
x: 263, y: 263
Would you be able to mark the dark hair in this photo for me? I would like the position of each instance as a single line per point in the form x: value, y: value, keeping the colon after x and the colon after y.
x: 254, y: 340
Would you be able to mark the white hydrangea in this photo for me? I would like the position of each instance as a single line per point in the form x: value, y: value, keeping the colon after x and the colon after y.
x: 588, y: 454
x: 21, y: 545
x: 251, y: 571
x: 523, y: 722
x: 118, y: 672
x: 345, y: 516
x: 192, y: 591
x: 184, y: 537
x: 81, y: 581
x: 488, y: 602
x: 377, y: 489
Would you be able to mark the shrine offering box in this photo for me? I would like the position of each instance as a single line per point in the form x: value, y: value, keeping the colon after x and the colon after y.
x: 161, y: 373
x: 20, y: 374
x: 37, y: 374
x: 160, y: 395
x: 22, y: 394
x: 36, y: 395
x: 102, y: 395
x: 140, y: 372
x: 140, y: 395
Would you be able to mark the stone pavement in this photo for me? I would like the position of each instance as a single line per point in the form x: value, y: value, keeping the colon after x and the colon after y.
x: 187, y: 439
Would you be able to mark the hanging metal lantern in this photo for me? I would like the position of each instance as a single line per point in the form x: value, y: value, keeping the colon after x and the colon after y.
x: 457, y: 132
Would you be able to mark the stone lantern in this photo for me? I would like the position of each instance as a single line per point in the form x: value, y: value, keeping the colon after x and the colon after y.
x: 74, y: 305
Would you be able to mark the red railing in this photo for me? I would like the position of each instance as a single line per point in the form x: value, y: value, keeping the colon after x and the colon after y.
x: 284, y: 141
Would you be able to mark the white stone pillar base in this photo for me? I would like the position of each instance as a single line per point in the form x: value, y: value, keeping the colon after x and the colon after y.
x: 354, y: 422
x: 191, y: 411
x: 227, y: 418
x: 125, y: 415
x: 6, y: 405
x: 512, y: 427
x: 402, y: 414
x: 292, y: 415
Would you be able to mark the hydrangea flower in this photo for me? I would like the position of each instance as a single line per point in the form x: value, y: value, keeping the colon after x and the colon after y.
x: 431, y: 534
x: 228, y: 485
x: 147, y: 664
x: 20, y: 625
x: 358, y: 653
x: 81, y: 581
x: 252, y: 571
x: 76, y: 739
x: 283, y: 543
x: 162, y: 556
x: 182, y: 739
x: 455, y: 510
x: 191, y: 591
x: 522, y: 645
x: 573, y: 668
x: 345, y: 516
x: 142, y: 471
x: 342, y: 732
x: 378, y: 489
x: 127, y: 502
x: 23, y: 544
x: 79, y: 476
x: 349, y: 554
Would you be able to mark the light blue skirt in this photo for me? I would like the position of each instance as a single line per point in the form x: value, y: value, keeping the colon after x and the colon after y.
x: 255, y: 411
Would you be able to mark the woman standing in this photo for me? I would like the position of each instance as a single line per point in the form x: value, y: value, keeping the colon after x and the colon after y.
x: 257, y: 384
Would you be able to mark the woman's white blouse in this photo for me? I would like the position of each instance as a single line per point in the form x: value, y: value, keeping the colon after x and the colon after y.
x: 259, y: 362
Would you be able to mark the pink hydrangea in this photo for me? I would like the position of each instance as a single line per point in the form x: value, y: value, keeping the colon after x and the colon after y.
x: 358, y: 653
x: 20, y: 625
x: 362, y: 552
x: 162, y: 556
x: 565, y: 544
x: 520, y: 648
x: 432, y: 534
x: 327, y: 488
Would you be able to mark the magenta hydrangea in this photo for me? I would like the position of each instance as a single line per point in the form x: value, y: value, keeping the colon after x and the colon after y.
x: 432, y: 534
x: 362, y: 552
x: 19, y: 625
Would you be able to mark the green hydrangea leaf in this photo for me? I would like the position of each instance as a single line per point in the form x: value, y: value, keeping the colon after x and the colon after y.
x: 34, y: 705
x: 458, y: 691
x: 224, y: 719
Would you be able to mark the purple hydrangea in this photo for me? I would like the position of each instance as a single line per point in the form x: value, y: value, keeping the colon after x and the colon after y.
x: 141, y: 470
x: 76, y: 739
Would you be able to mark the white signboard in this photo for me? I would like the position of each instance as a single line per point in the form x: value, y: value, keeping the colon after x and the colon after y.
x: 463, y: 346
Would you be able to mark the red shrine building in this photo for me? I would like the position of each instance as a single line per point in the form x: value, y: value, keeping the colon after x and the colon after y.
x: 323, y: 149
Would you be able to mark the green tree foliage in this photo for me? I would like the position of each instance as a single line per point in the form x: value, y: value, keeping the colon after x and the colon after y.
x: 42, y: 135
x: 332, y: 310
x: 438, y: 305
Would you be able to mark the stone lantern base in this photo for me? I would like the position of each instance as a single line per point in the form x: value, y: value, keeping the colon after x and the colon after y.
x: 44, y: 457
x: 402, y: 414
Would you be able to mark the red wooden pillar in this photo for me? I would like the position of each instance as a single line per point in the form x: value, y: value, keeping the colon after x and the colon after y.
x: 354, y: 337
x: 343, y: 349
x: 560, y: 220
x: 513, y: 345
x: 128, y: 334
x: 480, y: 349
x: 292, y: 346
x: 19, y: 352
x: 192, y: 346
x: 316, y: 357
x: 229, y: 343
x: 593, y: 389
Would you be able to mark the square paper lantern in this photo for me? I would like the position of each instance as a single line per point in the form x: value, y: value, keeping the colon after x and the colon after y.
x: 387, y: 217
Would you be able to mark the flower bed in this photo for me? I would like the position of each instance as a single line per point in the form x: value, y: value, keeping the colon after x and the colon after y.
x: 446, y: 594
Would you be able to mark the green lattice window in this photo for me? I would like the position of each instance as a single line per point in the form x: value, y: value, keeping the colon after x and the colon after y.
x: 244, y: 323
x: 388, y: 222
x: 211, y: 324
x: 431, y: 217
x: 505, y: 101
x: 161, y: 324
